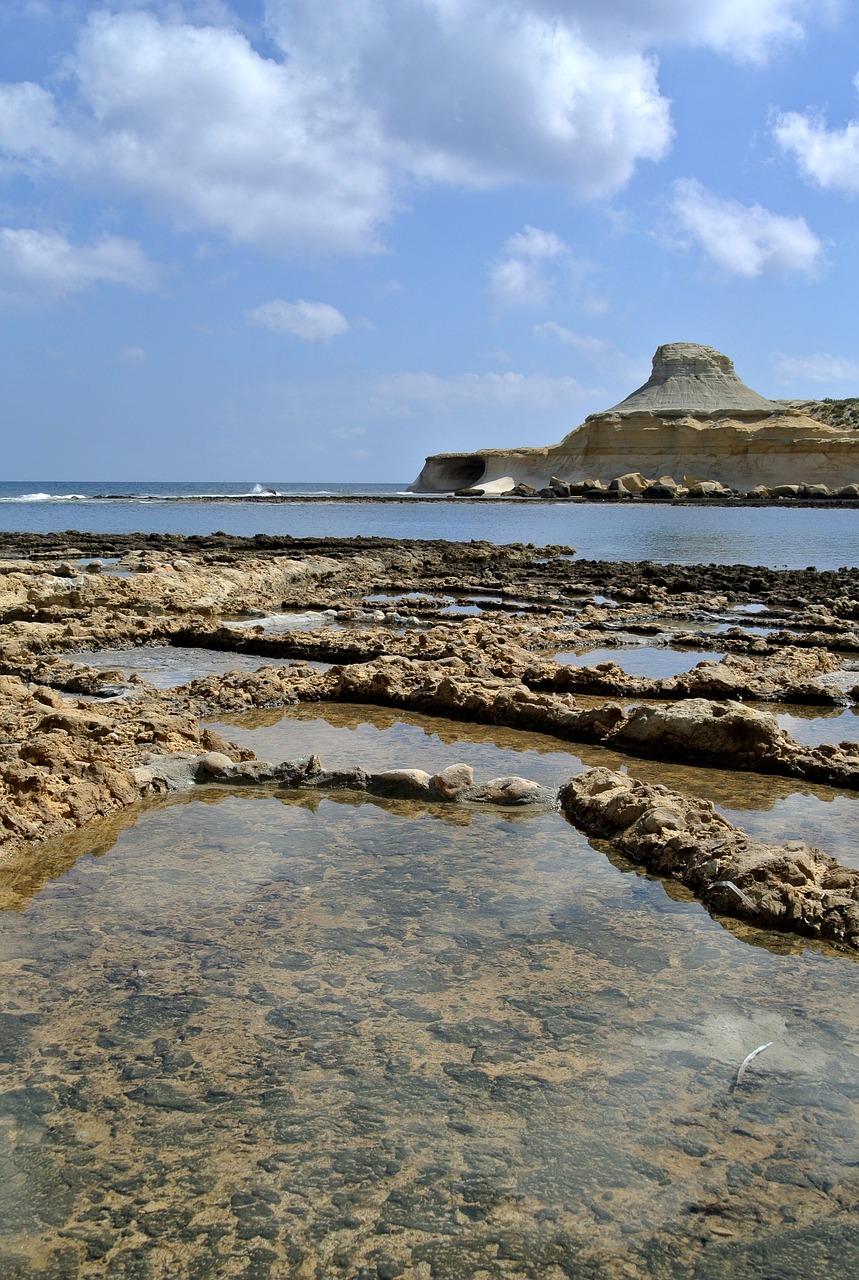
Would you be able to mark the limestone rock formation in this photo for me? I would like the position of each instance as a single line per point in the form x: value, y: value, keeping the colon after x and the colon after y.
x: 690, y: 379
x: 693, y: 419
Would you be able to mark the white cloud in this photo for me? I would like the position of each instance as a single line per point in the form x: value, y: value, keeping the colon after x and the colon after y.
x: 745, y: 240
x: 829, y: 157
x: 474, y: 93
x: 746, y: 30
x: 308, y: 150
x: 519, y: 278
x: 822, y: 367
x: 312, y: 321
x: 314, y: 147
x: 43, y: 266
x: 500, y: 391
x: 204, y: 130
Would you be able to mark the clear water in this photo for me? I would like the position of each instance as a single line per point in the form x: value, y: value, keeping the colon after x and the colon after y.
x: 822, y: 537
x: 253, y: 1037
x: 167, y: 666
x: 769, y: 808
x: 816, y: 725
x: 654, y: 662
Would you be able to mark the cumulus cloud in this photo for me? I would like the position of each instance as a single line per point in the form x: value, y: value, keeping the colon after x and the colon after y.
x: 746, y: 30
x: 311, y: 321
x: 314, y: 145
x: 310, y: 149
x: 474, y: 93
x: 828, y: 157
x: 823, y: 368
x: 745, y: 240
x: 43, y: 266
x: 518, y: 278
x: 206, y: 131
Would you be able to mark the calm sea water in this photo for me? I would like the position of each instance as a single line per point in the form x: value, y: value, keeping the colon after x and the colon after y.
x: 773, y: 536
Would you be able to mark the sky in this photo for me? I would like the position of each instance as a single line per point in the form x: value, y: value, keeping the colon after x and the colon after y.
x: 310, y: 240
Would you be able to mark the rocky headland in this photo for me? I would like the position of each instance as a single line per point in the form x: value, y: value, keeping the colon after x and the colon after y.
x: 693, y: 430
x: 81, y: 742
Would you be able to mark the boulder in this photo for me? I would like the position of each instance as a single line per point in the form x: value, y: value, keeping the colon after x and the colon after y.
x: 633, y: 482
x: 404, y: 784
x: 709, y: 489
x: 659, y: 492
x: 453, y: 780
x: 815, y: 491
x: 785, y: 490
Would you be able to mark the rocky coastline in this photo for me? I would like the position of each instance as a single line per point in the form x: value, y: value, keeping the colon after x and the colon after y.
x: 80, y: 742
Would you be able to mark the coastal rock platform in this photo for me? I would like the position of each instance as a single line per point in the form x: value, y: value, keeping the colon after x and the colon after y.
x: 373, y: 627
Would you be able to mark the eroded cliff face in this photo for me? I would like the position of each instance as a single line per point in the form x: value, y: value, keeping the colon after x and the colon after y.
x: 783, y: 448
x: 693, y: 420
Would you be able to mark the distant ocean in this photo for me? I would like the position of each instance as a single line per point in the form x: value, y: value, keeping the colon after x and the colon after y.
x: 778, y: 537
x: 74, y: 491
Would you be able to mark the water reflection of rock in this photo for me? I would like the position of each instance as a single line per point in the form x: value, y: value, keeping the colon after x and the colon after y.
x: 342, y: 733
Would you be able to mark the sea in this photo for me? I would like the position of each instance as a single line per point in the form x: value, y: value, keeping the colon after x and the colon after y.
x: 781, y: 536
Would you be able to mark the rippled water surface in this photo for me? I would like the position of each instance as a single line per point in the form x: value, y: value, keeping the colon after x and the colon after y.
x: 298, y: 1036
x: 167, y: 666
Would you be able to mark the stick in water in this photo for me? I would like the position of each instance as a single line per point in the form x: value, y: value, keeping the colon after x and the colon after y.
x: 745, y: 1062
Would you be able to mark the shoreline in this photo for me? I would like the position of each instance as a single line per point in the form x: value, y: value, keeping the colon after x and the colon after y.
x: 626, y: 499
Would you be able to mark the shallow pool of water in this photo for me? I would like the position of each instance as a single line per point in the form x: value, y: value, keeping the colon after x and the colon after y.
x: 271, y: 1038
x: 654, y: 662
x: 278, y: 623
x: 816, y: 725
x: 167, y: 666
x: 769, y: 808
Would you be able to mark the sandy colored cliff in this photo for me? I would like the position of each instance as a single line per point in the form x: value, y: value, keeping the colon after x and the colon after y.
x: 693, y: 418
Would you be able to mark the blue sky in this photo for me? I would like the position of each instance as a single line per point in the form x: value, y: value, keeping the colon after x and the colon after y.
x: 307, y: 240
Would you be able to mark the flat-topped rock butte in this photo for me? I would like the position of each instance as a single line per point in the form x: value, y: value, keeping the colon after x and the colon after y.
x: 693, y: 420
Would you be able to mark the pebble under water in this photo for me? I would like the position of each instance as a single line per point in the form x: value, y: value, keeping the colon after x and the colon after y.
x: 271, y: 1036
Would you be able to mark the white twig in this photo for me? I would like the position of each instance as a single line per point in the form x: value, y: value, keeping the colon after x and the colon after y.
x: 745, y: 1062
x: 737, y: 892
